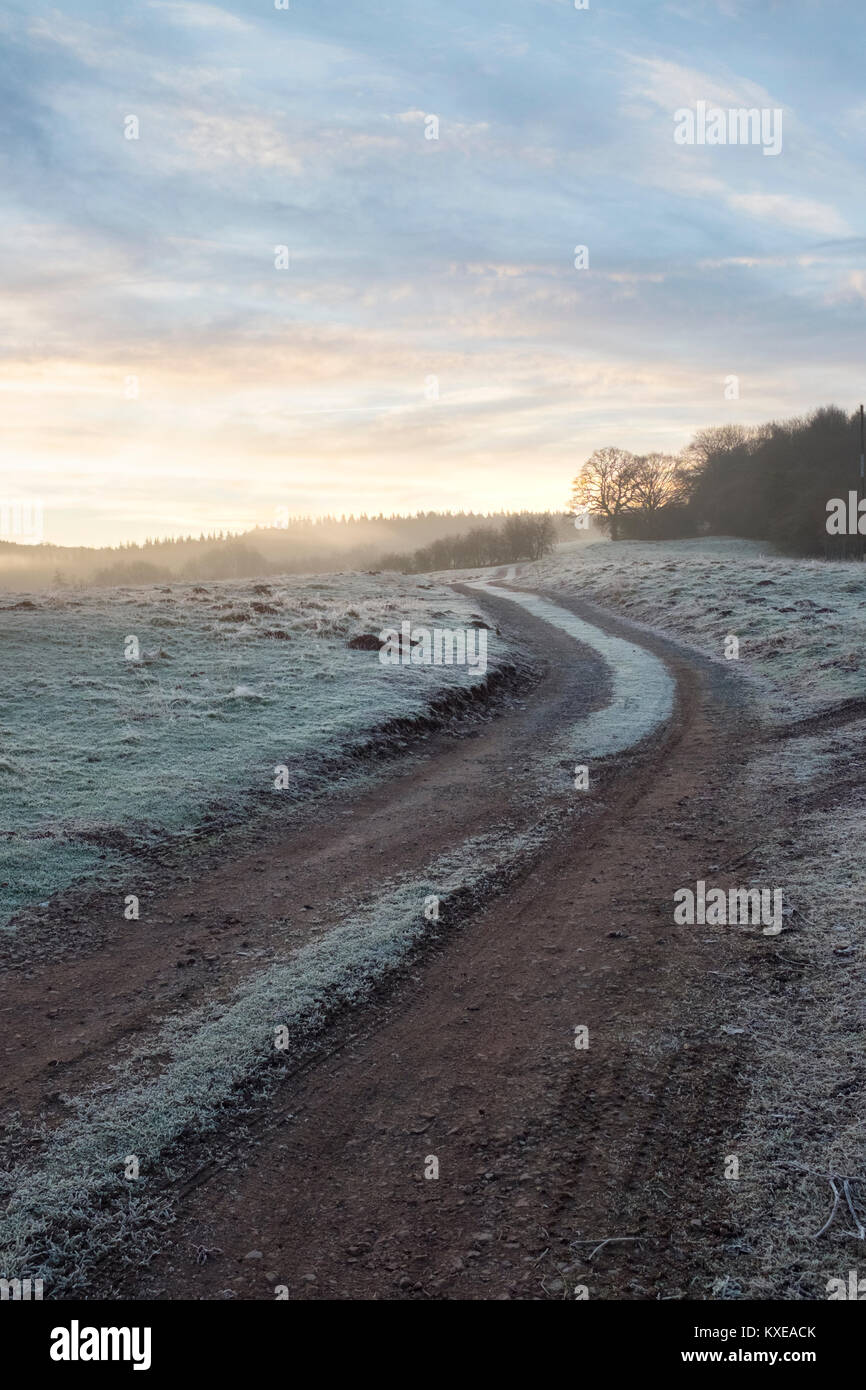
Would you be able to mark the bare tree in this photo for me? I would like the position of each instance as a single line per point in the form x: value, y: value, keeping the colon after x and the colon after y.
x: 658, y: 480
x: 716, y: 439
x: 526, y: 536
x: 605, y: 486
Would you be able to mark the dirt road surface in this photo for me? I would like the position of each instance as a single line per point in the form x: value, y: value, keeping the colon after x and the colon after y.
x: 560, y: 1167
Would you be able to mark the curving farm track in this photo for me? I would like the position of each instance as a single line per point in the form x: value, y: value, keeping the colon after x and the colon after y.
x: 558, y: 1166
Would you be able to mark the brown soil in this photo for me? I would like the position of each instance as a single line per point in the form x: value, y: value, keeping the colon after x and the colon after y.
x: 544, y: 1150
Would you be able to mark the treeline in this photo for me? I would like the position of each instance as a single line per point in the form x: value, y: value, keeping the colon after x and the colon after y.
x: 522, y: 536
x: 294, y: 545
x: 774, y: 482
x: 769, y: 482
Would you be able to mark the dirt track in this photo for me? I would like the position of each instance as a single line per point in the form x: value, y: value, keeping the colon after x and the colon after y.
x: 544, y: 1150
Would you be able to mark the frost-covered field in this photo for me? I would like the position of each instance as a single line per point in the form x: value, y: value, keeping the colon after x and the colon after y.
x: 100, y: 754
x: 801, y: 624
x: 804, y: 1118
x: 643, y: 690
x: 63, y: 1212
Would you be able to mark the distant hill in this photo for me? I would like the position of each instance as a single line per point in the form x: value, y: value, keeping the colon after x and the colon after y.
x: 301, y: 546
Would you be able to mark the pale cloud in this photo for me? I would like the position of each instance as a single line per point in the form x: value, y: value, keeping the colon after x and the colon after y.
x: 500, y: 271
x: 635, y: 277
x: 805, y: 213
x: 89, y: 44
x: 803, y: 262
x: 245, y: 140
x: 198, y: 16
x: 851, y: 290
x: 670, y: 85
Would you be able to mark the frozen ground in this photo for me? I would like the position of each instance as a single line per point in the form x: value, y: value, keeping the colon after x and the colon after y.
x: 643, y: 690
x: 58, y: 1219
x: 803, y: 1128
x: 801, y: 624
x: 100, y: 754
x: 94, y: 746
x: 801, y: 1209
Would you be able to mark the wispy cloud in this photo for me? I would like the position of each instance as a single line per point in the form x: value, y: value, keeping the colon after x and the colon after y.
x: 198, y: 16
x: 814, y: 217
x: 411, y: 256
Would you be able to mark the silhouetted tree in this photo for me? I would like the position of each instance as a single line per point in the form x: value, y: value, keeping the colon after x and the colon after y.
x: 605, y: 487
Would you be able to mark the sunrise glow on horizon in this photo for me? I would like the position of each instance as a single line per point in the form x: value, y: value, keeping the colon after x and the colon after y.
x: 424, y: 339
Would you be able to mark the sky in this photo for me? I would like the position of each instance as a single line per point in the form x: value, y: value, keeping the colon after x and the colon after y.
x: 429, y: 337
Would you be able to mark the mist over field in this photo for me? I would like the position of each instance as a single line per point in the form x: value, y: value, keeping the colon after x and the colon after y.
x: 105, y: 752
x: 291, y: 546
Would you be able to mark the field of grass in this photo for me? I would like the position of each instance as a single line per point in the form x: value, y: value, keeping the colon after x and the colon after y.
x: 801, y: 624
x: 101, y: 756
